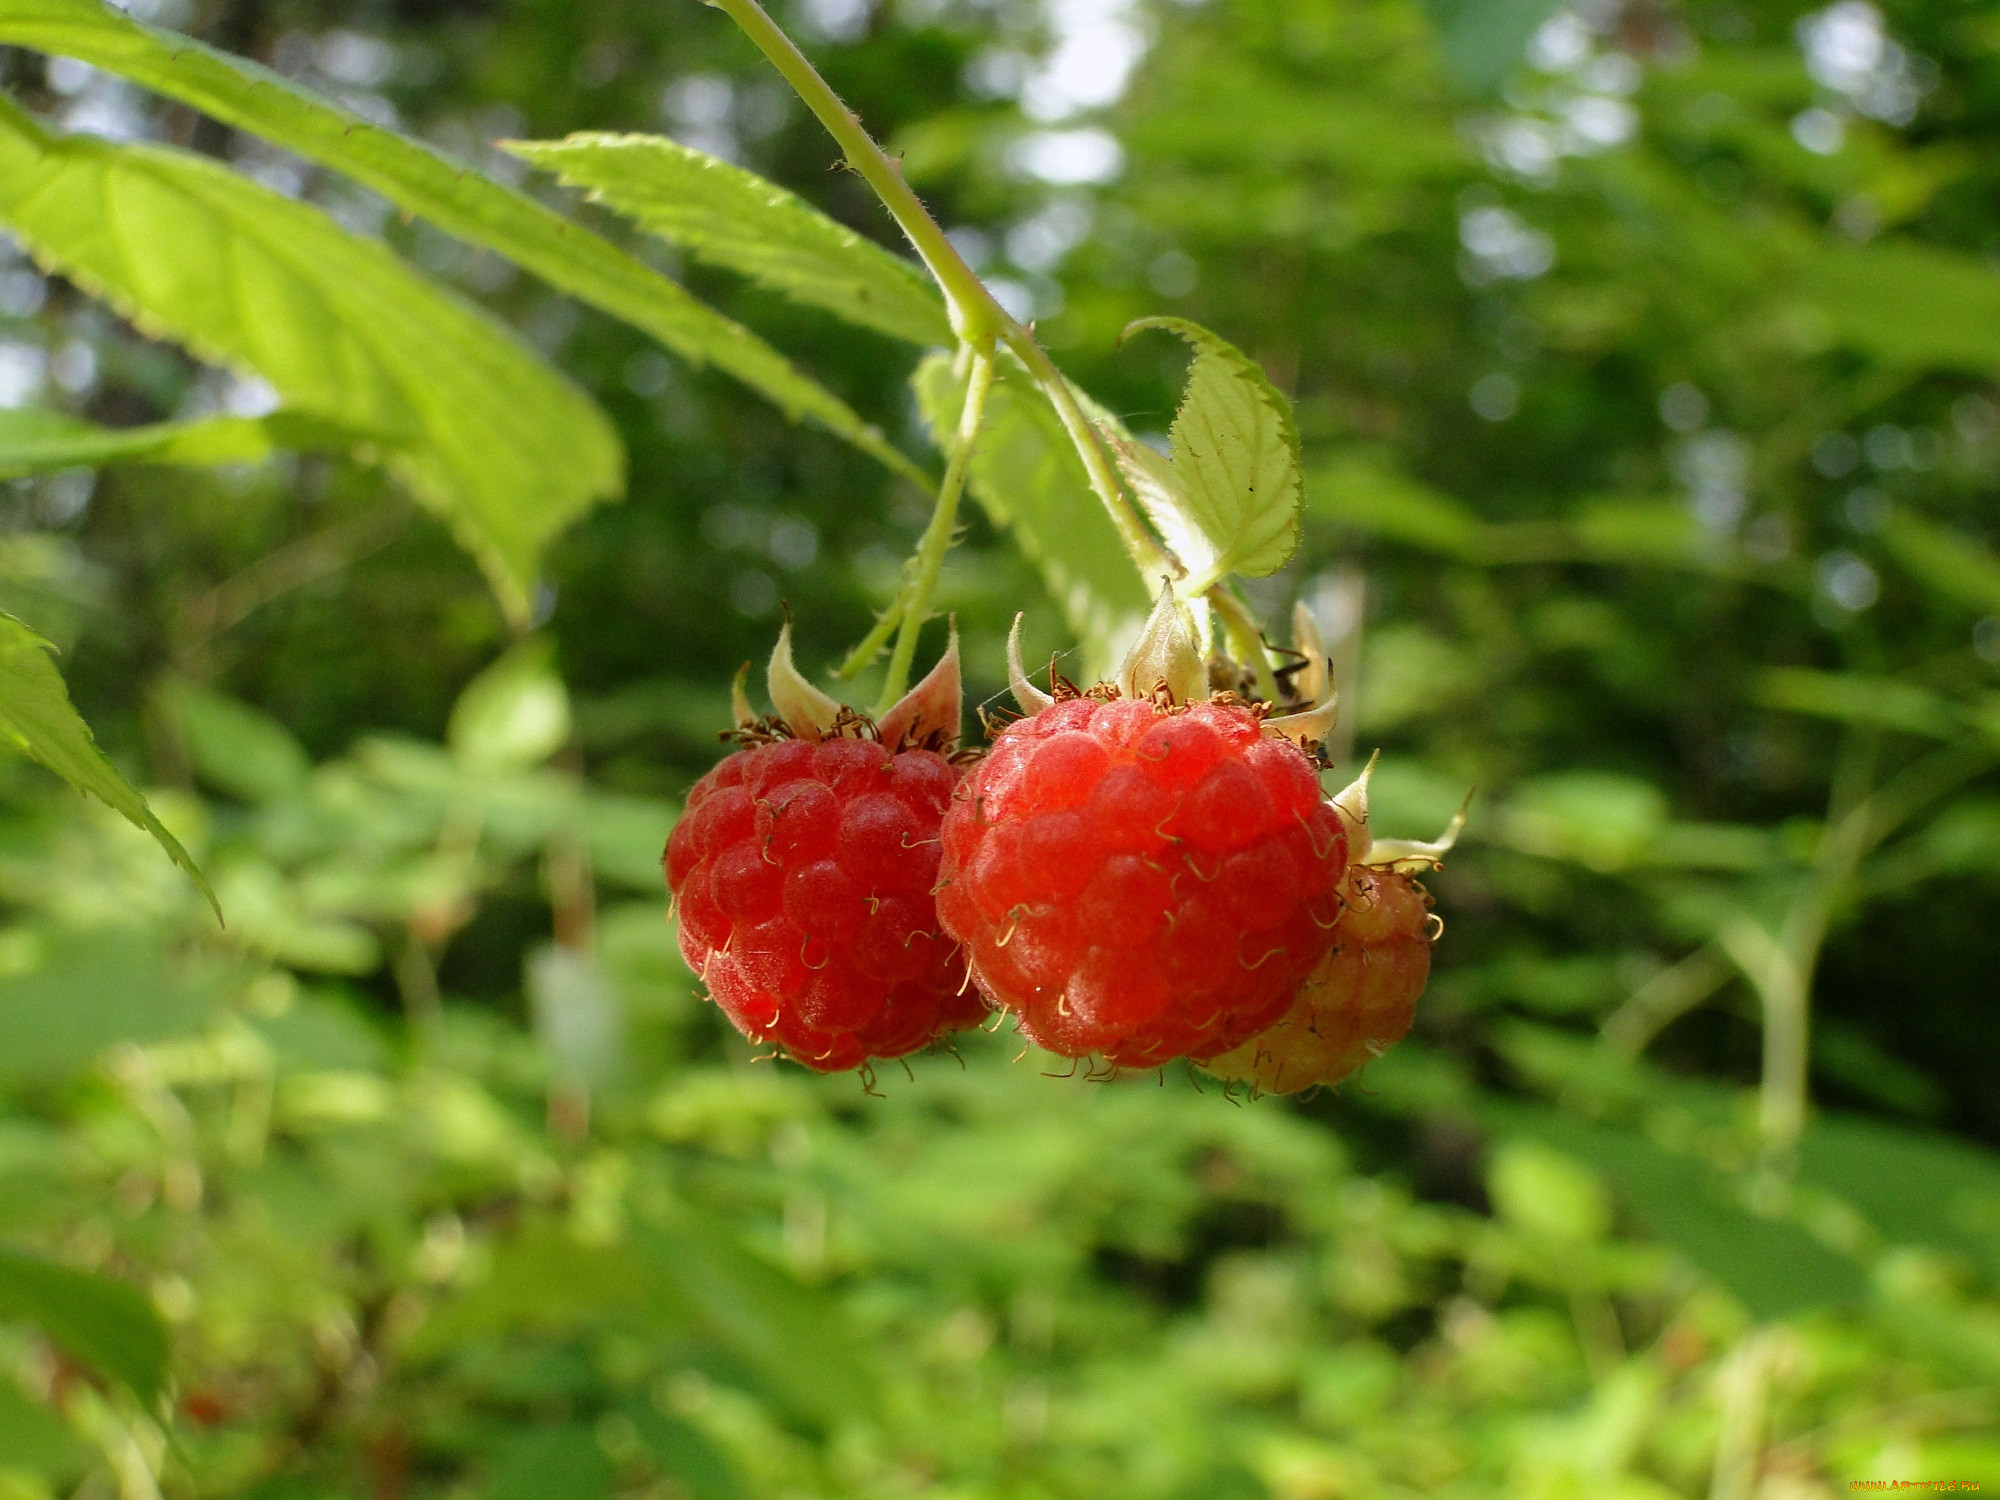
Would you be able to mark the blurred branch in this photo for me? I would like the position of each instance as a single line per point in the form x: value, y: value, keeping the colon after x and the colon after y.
x: 292, y: 566
x: 1663, y: 1000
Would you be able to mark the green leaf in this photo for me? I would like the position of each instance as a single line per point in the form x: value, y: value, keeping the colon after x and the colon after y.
x: 1908, y: 304
x: 35, y: 714
x: 233, y: 746
x: 1946, y: 561
x: 32, y: 441
x: 1482, y: 41
x: 486, y: 434
x: 1026, y: 474
x: 1913, y: 1186
x: 1853, y: 698
x: 1373, y: 498
x: 32, y: 1437
x: 735, y: 219
x: 100, y: 1322
x: 1235, y: 459
x: 1772, y: 1266
x: 84, y: 999
x: 513, y: 715
x: 425, y: 182
x: 552, y: 1463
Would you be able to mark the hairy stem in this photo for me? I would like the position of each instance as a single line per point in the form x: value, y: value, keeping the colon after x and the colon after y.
x: 937, y: 536
x: 978, y: 319
x: 862, y: 657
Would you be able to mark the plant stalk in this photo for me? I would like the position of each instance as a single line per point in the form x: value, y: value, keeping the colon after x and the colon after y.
x: 937, y: 536
x: 977, y: 318
x: 1246, y: 639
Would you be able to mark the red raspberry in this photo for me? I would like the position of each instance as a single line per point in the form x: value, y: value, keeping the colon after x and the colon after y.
x: 1140, y: 876
x: 802, y: 871
x: 1359, y: 1001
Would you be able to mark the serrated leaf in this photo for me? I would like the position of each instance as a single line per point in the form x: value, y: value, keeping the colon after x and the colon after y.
x: 735, y: 219
x: 1235, y: 457
x: 102, y: 1323
x: 1026, y: 474
x: 36, y: 715
x: 33, y: 441
x: 506, y: 450
x: 425, y: 182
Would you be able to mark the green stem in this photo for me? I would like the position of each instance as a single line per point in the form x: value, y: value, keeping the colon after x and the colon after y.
x: 977, y: 317
x: 1247, y: 640
x: 937, y: 536
x: 863, y: 656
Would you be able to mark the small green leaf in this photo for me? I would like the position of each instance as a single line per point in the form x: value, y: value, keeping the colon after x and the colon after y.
x: 1235, y: 459
x: 735, y: 219
x: 422, y: 181
x: 1027, y: 475
x: 36, y: 715
x: 1373, y: 498
x: 1947, y: 562
x: 501, y: 446
x: 233, y: 746
x: 100, y: 1322
x: 88, y: 996
x: 33, y: 441
x: 1854, y: 698
x: 1915, y: 305
x: 513, y: 715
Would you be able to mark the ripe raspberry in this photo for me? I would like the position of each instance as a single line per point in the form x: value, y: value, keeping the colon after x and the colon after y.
x: 802, y: 871
x: 1139, y: 875
x: 1359, y: 1001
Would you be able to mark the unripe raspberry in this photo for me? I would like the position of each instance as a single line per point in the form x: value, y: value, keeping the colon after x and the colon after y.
x: 1137, y: 874
x: 1359, y: 1001
x: 802, y: 871
x: 1363, y: 996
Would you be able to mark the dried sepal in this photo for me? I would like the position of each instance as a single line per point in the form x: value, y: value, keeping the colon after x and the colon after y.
x: 1404, y: 856
x: 806, y: 711
x: 1167, y: 656
x: 929, y: 714
x: 1031, y: 698
x: 1407, y: 856
x: 739, y: 699
x: 1314, y: 679
x: 1309, y: 726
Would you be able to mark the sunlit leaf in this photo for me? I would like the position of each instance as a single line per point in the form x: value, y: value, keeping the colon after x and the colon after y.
x: 1027, y: 475
x: 1235, y: 455
x: 103, y: 1323
x: 1855, y: 698
x: 513, y: 715
x: 233, y: 746
x: 32, y: 441
x: 1910, y: 304
x: 507, y: 451
x: 36, y: 717
x: 420, y: 180
x: 733, y: 218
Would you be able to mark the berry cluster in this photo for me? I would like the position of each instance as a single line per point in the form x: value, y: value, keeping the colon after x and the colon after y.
x: 1144, y: 871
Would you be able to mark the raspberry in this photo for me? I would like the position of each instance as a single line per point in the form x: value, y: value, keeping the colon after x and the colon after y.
x: 1362, y: 998
x: 802, y: 870
x: 1359, y: 1001
x: 1140, y: 875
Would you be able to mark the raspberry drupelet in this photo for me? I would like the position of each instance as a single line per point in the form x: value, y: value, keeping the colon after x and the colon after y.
x: 1140, y: 872
x: 802, y: 871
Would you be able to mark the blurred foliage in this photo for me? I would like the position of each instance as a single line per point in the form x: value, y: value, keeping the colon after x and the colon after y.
x: 1645, y: 387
